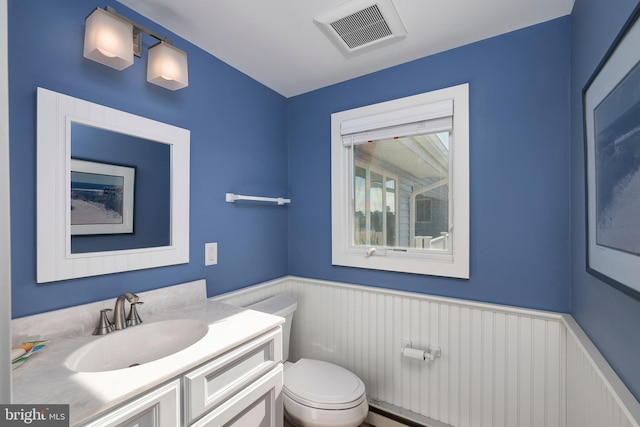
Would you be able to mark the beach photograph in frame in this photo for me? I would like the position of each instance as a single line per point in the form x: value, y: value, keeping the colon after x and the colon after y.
x: 102, y: 198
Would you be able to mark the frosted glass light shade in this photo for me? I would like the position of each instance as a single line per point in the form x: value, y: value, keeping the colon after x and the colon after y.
x: 108, y: 40
x: 167, y: 67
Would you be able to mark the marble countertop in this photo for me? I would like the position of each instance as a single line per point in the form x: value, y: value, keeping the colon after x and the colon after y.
x: 45, y: 379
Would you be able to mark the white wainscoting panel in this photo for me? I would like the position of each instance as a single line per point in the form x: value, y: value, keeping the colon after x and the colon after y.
x: 595, y: 395
x: 500, y: 366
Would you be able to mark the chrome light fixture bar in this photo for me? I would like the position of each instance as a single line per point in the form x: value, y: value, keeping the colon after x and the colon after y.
x: 112, y: 40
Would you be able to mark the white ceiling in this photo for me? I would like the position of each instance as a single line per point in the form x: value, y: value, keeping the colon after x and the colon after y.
x: 277, y: 43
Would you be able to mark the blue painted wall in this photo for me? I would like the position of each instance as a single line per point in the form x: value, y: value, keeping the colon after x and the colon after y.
x: 610, y: 318
x: 519, y: 150
x: 240, y: 130
x: 238, y: 144
x: 527, y: 188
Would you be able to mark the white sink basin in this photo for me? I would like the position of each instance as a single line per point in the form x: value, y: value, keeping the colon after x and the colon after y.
x: 136, y: 345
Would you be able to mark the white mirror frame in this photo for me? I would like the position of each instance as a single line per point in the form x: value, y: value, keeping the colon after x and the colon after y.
x: 55, y: 260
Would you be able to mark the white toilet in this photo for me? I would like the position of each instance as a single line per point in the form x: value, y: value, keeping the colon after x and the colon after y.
x: 315, y: 393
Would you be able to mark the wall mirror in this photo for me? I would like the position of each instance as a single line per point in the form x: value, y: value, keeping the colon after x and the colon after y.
x: 113, y: 190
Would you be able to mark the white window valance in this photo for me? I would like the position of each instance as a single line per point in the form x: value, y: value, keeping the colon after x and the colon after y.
x: 427, y: 118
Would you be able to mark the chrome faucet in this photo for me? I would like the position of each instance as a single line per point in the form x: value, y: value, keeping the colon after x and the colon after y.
x: 119, y: 320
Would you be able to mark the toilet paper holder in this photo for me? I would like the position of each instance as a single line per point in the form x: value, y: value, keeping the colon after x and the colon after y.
x: 431, y: 353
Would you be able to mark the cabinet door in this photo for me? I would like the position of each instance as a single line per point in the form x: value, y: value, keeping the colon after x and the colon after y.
x: 258, y: 405
x: 159, y: 408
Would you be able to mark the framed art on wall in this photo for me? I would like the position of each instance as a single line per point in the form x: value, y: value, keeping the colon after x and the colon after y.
x: 611, y: 107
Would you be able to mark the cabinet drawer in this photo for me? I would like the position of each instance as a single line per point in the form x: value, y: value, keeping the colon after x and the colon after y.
x: 258, y: 405
x: 159, y: 408
x: 214, y: 383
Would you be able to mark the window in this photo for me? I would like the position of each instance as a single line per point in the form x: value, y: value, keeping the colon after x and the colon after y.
x: 400, y: 184
x: 423, y: 209
x: 375, y: 206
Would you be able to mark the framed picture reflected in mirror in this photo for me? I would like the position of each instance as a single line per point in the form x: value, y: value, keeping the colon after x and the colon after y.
x: 102, y: 198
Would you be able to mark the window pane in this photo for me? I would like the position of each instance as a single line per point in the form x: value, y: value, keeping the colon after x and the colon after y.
x: 360, y: 213
x: 376, y: 211
x: 401, y: 189
x: 423, y: 209
x: 390, y: 211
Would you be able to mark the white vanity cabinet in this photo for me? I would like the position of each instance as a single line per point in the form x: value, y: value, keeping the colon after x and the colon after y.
x: 230, y: 376
x: 241, y: 387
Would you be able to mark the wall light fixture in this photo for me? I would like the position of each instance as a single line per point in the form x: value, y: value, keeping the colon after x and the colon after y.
x: 112, y: 40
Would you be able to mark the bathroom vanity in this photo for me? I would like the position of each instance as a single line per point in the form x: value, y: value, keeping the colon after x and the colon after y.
x: 232, y: 375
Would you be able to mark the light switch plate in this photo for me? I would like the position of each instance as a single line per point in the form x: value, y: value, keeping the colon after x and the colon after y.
x: 210, y: 253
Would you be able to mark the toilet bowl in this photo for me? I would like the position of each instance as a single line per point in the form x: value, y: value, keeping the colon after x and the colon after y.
x: 318, y: 394
x: 315, y: 393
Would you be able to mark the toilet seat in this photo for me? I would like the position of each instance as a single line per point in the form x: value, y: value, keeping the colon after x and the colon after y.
x: 322, y: 385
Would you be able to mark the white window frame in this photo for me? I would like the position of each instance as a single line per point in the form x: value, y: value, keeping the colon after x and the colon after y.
x: 400, y: 112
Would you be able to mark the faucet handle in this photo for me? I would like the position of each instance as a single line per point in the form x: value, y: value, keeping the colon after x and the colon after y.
x: 134, y: 318
x: 104, y: 326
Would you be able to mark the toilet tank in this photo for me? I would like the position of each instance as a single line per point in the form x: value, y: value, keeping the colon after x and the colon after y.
x: 279, y: 305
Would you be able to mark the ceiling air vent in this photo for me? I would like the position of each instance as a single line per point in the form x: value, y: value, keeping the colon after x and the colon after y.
x: 360, y: 25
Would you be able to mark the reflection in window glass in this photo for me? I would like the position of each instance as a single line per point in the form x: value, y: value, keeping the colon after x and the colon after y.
x: 401, y: 192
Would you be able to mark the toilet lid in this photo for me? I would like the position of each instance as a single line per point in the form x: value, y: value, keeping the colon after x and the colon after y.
x: 323, y: 385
